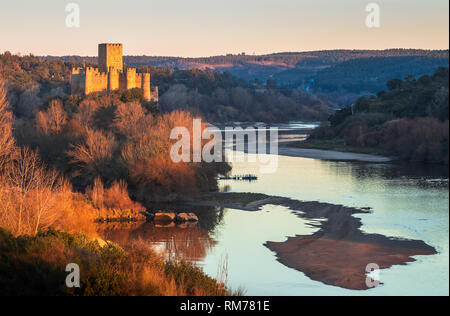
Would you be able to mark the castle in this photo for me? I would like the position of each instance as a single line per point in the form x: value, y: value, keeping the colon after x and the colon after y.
x: 110, y: 75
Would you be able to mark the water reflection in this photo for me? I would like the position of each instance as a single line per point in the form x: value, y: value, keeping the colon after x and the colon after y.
x: 411, y: 173
x: 408, y: 201
x: 188, y: 241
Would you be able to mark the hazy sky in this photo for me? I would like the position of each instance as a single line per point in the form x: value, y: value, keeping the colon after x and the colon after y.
x: 213, y: 27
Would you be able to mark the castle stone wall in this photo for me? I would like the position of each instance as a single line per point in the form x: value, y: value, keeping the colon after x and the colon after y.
x: 109, y: 76
x: 131, y: 78
x: 114, y: 80
x: 95, y: 81
x: 77, y: 84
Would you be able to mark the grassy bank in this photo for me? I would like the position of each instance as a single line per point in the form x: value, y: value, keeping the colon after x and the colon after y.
x: 36, y: 266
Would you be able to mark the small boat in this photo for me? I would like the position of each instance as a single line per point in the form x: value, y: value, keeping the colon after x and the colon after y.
x: 247, y: 177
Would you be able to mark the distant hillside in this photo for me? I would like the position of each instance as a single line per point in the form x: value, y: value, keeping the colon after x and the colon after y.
x: 343, y: 72
x: 368, y: 75
x: 410, y: 119
x: 278, y: 61
x: 218, y: 97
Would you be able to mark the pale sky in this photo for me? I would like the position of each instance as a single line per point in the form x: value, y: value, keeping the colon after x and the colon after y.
x: 193, y: 28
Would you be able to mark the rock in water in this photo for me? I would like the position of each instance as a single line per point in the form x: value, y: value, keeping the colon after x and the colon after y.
x: 182, y: 217
x: 164, y: 217
x: 186, y: 217
x: 192, y: 217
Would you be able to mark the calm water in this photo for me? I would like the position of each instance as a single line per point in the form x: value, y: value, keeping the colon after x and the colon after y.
x: 407, y: 201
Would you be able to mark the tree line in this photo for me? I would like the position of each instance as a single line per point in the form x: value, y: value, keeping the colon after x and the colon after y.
x: 217, y: 96
x: 410, y: 119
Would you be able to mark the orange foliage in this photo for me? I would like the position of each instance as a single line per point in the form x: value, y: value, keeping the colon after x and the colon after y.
x: 156, y: 176
x: 85, y: 115
x: 6, y: 138
x: 129, y: 119
x: 33, y: 198
x: 116, y: 197
x: 52, y: 121
x: 148, y: 159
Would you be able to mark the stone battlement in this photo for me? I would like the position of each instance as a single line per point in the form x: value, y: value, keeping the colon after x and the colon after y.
x: 110, y: 75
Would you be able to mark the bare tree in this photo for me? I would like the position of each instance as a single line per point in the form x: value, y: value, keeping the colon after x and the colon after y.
x: 7, y: 145
x: 96, y: 193
x: 29, y: 194
x: 85, y: 115
x: 24, y: 176
x: 45, y: 197
x: 94, y: 154
x: 52, y: 121
x: 129, y: 119
x: 7, y: 218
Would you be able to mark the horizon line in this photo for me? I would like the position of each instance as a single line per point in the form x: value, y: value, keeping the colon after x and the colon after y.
x: 238, y: 54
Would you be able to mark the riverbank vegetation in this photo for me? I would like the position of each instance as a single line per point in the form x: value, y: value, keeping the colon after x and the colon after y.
x: 75, y: 160
x: 104, y: 137
x: 410, y: 120
x: 36, y: 266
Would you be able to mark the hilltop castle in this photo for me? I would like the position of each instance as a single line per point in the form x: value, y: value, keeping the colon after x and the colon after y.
x: 110, y: 75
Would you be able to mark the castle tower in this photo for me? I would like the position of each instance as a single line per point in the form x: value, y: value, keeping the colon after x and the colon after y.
x: 131, y: 78
x: 110, y: 55
x: 146, y: 86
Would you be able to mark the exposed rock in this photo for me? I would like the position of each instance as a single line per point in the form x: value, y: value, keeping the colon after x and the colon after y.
x: 186, y: 217
x: 164, y: 217
x: 182, y: 217
x: 192, y: 217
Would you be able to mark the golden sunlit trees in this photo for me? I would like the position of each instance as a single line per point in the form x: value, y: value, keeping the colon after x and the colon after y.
x: 85, y: 114
x: 147, y: 158
x: 24, y: 182
x: 29, y: 194
x: 24, y: 175
x: 6, y: 139
x: 114, y: 198
x: 94, y: 154
x: 52, y: 121
x: 129, y: 119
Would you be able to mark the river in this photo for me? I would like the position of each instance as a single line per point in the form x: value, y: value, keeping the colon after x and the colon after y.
x: 406, y: 201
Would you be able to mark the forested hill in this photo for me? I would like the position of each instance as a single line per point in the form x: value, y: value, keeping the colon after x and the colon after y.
x: 217, y: 96
x: 294, y: 59
x: 343, y: 74
x: 409, y: 119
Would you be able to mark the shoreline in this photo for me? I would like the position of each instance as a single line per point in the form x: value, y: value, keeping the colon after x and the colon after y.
x: 339, y: 252
x: 333, y: 155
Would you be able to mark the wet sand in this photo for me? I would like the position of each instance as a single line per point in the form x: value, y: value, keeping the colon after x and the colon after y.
x: 339, y: 252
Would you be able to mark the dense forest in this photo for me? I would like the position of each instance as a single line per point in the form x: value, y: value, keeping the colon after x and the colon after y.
x: 410, y: 120
x: 216, y: 96
x: 369, y: 75
x: 341, y: 75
